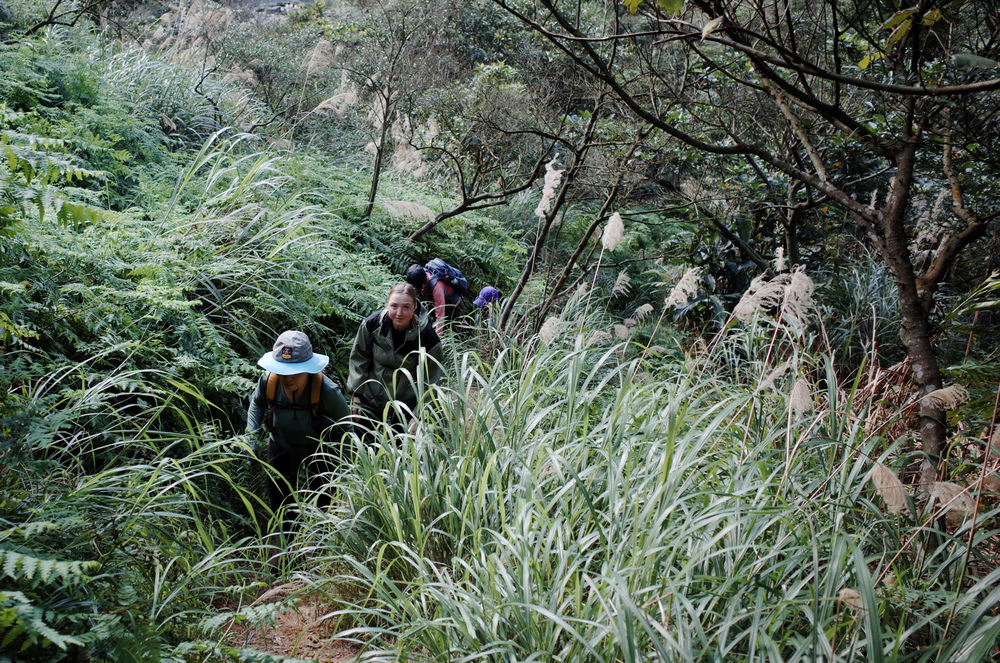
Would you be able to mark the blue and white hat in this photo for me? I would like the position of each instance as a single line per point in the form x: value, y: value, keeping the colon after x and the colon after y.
x: 293, y: 353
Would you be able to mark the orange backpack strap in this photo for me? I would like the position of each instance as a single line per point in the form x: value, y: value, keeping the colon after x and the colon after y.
x: 270, y: 394
x: 272, y: 388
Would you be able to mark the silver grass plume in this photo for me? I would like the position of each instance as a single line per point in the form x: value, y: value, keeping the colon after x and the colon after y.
x: 760, y: 295
x: 613, y: 233
x: 890, y: 488
x: 685, y: 289
x: 772, y: 377
x: 553, y: 176
x: 948, y: 398
x: 403, y: 209
x: 642, y: 312
x: 850, y: 598
x: 952, y: 497
x: 621, y: 283
x: 779, y: 259
x: 598, y: 337
x: 550, y: 330
x: 621, y: 331
x: 995, y: 443
x: 799, y: 295
x: 801, y: 400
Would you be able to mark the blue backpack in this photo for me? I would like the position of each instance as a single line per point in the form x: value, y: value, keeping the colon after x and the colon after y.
x: 442, y: 271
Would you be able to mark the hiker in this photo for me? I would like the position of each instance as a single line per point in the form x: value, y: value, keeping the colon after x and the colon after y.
x: 385, y: 357
x: 487, y: 295
x: 441, y: 283
x: 299, y: 406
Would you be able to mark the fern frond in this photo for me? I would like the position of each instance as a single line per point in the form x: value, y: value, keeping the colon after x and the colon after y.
x: 22, y: 566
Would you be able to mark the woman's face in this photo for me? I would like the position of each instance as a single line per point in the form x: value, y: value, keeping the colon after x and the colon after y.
x: 295, y: 382
x: 401, y: 309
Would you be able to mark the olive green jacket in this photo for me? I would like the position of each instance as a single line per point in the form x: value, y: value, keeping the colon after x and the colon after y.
x: 293, y: 425
x: 380, y: 373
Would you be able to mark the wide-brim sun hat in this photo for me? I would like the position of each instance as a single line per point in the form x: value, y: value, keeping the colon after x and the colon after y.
x: 292, y: 354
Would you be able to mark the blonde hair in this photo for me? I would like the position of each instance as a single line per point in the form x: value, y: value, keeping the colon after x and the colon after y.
x: 405, y: 289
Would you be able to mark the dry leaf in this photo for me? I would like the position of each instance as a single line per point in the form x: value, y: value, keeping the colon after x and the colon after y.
x: 851, y: 598
x: 710, y: 27
x: 948, y: 398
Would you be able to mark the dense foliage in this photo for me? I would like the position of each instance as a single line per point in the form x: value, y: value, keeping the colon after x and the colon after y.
x: 642, y: 453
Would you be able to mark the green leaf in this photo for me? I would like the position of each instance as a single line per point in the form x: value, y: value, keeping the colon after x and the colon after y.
x: 900, y: 32
x: 632, y: 5
x: 897, y: 18
x: 671, y: 6
x: 868, y: 59
x: 970, y: 60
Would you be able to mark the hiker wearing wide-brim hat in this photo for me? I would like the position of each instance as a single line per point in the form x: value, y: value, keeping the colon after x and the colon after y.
x: 299, y: 407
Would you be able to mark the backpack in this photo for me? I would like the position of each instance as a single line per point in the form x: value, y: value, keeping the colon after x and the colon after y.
x: 450, y: 275
x: 315, y: 391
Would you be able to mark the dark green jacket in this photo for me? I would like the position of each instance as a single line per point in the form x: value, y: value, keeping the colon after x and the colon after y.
x: 379, y: 372
x: 294, y: 426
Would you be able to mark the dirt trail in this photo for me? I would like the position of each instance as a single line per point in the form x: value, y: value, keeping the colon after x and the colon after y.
x: 299, y: 632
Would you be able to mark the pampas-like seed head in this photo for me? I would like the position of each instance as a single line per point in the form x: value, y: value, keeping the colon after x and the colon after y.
x: 948, y: 398
x: 799, y: 295
x: 952, y: 497
x: 404, y: 209
x: 621, y: 331
x: 550, y: 330
x: 890, y: 488
x: 553, y: 176
x: 800, y: 400
x: 769, y: 381
x: 761, y: 294
x: 685, y: 289
x: 779, y: 259
x: 613, y: 233
x: 598, y: 337
x: 646, y: 309
x: 621, y: 283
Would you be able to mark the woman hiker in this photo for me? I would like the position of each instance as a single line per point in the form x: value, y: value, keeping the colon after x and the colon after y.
x: 301, y: 408
x: 386, y: 358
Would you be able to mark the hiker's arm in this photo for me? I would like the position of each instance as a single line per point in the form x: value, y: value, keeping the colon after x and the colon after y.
x: 335, y: 404
x: 255, y: 413
x: 361, y: 360
x: 440, y: 302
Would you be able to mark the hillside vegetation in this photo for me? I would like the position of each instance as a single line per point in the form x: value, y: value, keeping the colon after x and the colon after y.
x: 690, y: 431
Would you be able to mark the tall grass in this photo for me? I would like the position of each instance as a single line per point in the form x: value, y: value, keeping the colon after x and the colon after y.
x: 552, y: 507
x: 121, y: 537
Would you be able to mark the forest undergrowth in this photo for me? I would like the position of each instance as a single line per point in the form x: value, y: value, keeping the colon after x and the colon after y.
x: 606, y: 489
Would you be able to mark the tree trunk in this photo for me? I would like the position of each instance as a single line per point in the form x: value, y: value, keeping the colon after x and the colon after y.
x: 377, y: 167
x: 916, y: 330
